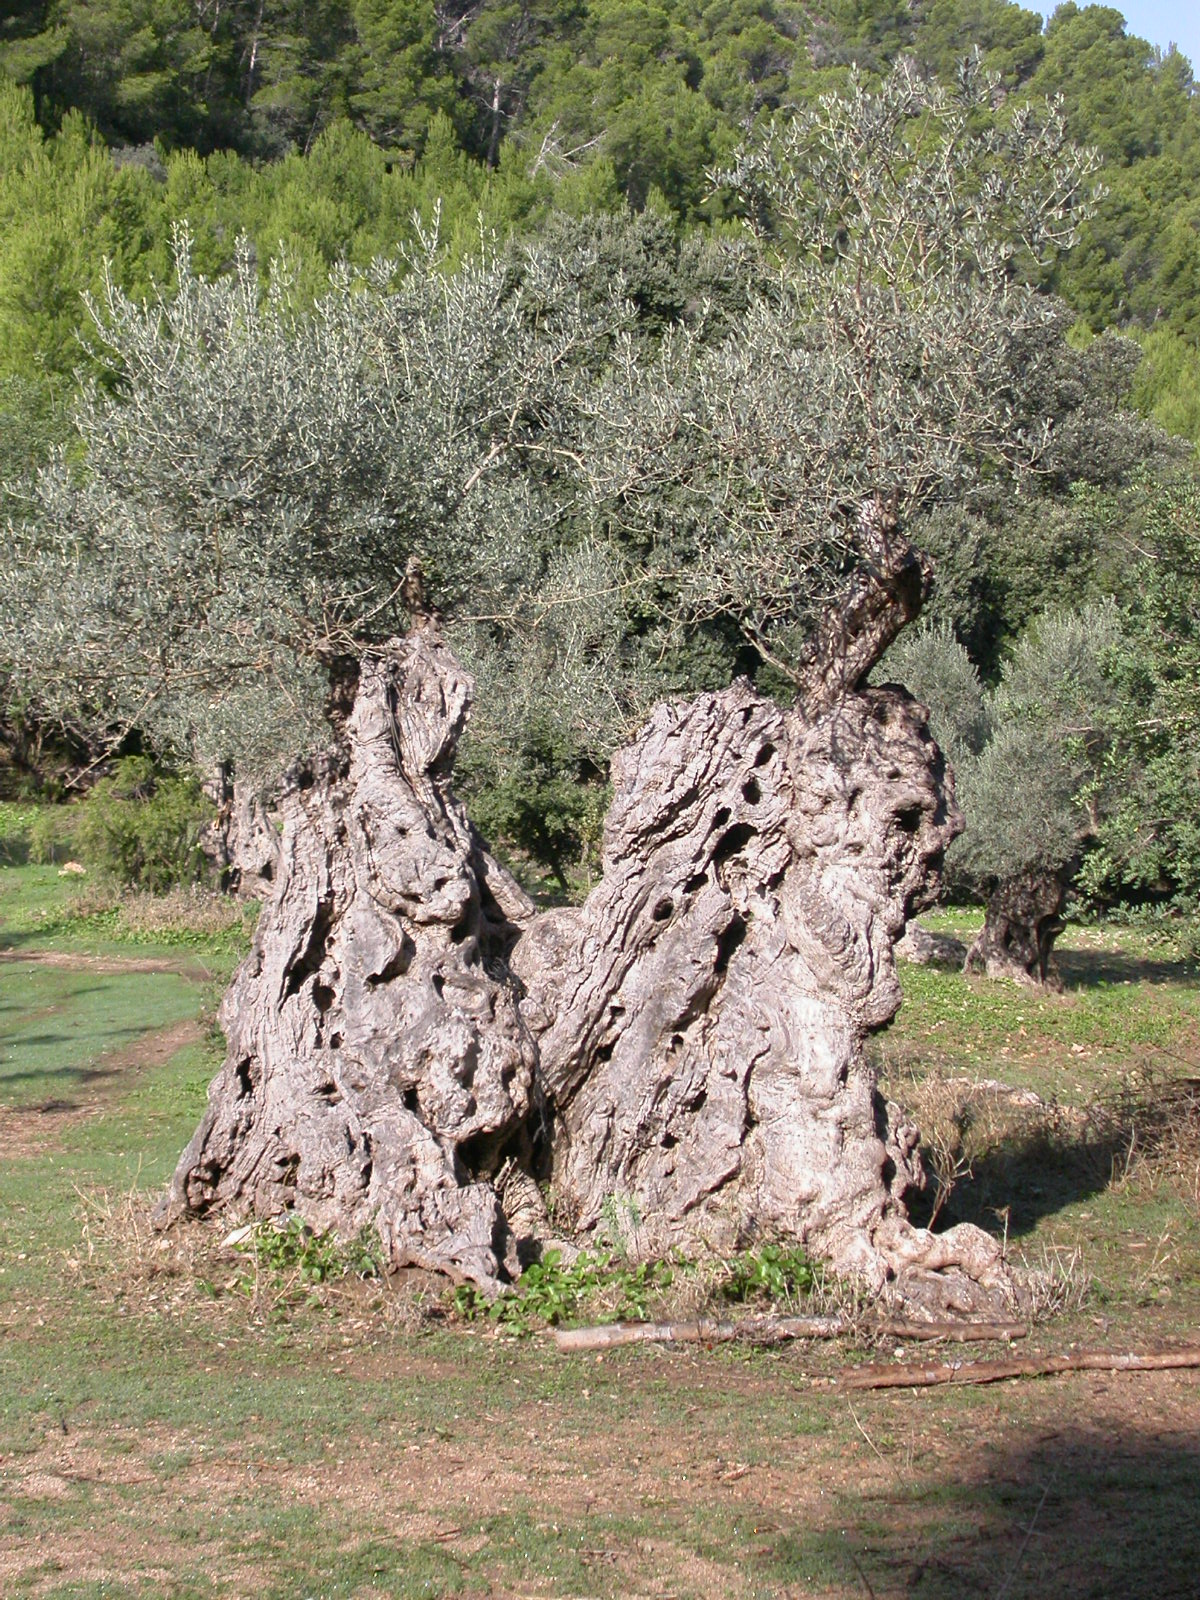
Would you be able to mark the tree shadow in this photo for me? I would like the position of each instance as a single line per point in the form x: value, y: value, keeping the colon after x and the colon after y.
x: 1028, y: 1178
x: 1095, y: 969
x: 13, y: 941
x: 1086, y: 1514
x: 1040, y: 1159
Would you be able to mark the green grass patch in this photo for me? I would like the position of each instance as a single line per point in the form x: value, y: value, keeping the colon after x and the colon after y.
x: 1119, y: 1006
x: 58, y: 1025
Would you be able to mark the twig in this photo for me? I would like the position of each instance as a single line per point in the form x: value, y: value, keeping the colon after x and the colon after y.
x: 1016, y: 1566
x: 858, y: 1568
x: 914, y: 1375
x: 772, y: 1330
x: 863, y: 1431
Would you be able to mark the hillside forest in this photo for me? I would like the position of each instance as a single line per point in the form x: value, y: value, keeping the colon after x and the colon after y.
x: 610, y: 226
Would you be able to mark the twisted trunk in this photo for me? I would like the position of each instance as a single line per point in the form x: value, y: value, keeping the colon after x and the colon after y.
x: 680, y: 1058
x: 377, y: 1060
x: 1023, y: 919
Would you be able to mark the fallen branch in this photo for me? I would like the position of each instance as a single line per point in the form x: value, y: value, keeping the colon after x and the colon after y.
x: 902, y: 1375
x: 774, y: 1330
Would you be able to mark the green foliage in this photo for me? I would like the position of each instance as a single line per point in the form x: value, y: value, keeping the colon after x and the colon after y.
x: 867, y: 370
x: 142, y: 826
x: 18, y: 824
x: 1167, y: 383
x: 1149, y: 842
x: 536, y: 798
x: 932, y: 665
x: 613, y: 100
x: 287, y: 1247
x: 773, y: 1273
x: 607, y: 1287
x: 206, y: 579
x: 1035, y: 758
x: 551, y: 1292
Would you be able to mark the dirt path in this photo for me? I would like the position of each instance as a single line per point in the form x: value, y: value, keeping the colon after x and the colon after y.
x: 27, y: 1131
x: 75, y: 961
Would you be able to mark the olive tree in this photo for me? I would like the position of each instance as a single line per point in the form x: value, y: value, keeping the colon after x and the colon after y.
x: 411, y: 1044
x: 238, y: 516
x: 1037, y: 765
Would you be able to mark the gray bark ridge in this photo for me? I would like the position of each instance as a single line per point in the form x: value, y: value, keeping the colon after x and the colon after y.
x: 377, y: 1061
x: 700, y: 1019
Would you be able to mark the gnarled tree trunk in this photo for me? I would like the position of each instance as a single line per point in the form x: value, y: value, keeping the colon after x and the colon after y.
x: 700, y: 1019
x: 680, y: 1058
x: 1022, y: 921
x: 377, y: 1058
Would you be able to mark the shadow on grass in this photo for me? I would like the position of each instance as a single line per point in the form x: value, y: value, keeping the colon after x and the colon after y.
x: 1000, y: 1162
x: 1080, y: 1515
x: 42, y: 1089
x: 1094, y: 969
x: 1030, y: 1176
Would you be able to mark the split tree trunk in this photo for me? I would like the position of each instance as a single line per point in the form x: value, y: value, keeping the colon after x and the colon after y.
x: 680, y: 1060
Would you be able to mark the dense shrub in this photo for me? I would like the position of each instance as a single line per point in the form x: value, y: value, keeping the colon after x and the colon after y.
x: 142, y: 826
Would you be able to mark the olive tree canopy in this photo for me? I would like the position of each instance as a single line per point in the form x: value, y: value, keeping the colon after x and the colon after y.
x: 235, y: 520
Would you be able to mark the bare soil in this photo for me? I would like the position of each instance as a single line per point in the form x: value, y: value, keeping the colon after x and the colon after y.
x: 1066, y: 1448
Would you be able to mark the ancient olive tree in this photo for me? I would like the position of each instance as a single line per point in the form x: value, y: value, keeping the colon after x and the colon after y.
x: 410, y: 1043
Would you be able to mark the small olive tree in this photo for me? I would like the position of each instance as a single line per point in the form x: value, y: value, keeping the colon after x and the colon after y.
x: 1035, y: 761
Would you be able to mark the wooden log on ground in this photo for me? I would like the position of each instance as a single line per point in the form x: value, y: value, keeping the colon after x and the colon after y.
x: 916, y: 1375
x: 774, y: 1330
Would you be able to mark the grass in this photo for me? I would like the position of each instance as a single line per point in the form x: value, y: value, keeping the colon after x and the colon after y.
x: 58, y: 1026
x: 181, y: 1420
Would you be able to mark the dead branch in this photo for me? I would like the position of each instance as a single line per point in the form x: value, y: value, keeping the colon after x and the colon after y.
x: 901, y: 1375
x: 774, y: 1330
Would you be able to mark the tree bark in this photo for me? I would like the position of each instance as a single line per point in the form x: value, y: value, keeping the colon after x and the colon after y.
x: 241, y: 843
x: 377, y: 1060
x: 679, y: 1060
x: 700, y: 1020
x: 1022, y: 921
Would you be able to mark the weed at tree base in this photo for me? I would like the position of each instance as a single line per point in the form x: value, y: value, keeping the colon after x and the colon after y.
x: 606, y: 1287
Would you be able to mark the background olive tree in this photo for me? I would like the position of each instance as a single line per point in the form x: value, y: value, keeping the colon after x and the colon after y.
x: 1038, y: 764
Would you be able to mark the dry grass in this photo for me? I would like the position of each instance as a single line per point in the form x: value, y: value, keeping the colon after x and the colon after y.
x: 192, y: 909
x: 1146, y: 1131
x: 205, y: 1270
x: 1154, y: 1120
